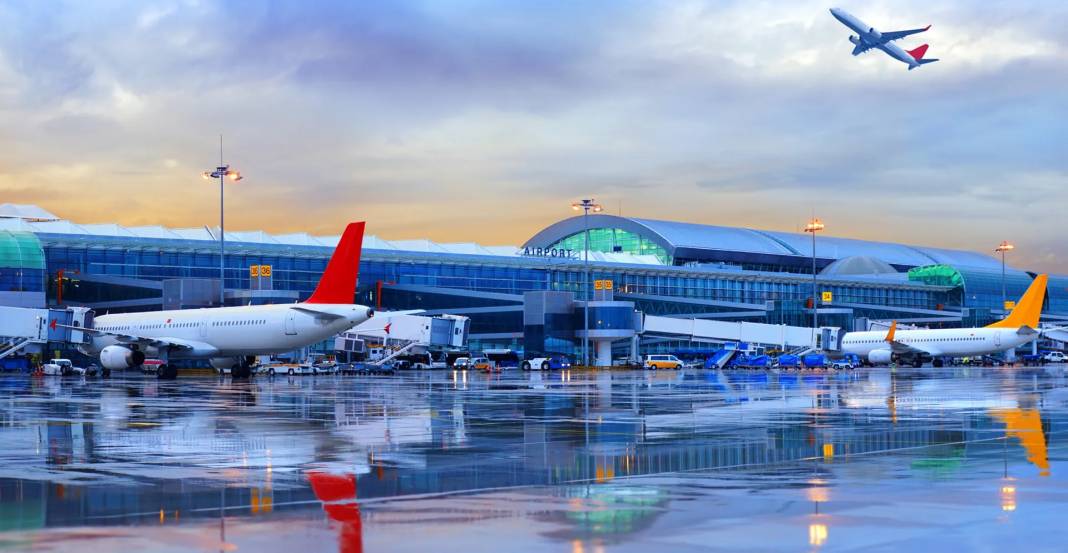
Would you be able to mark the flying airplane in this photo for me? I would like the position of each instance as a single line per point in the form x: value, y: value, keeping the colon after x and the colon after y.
x: 231, y: 337
x: 914, y: 346
x: 868, y: 38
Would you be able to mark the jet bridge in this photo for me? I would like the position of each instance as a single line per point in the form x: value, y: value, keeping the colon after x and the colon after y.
x: 409, y: 331
x: 783, y: 336
x: 23, y: 328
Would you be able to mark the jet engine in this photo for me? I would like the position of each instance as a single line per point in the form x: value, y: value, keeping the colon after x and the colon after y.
x: 224, y: 362
x: 854, y: 39
x: 119, y: 358
x: 875, y: 34
x: 880, y: 356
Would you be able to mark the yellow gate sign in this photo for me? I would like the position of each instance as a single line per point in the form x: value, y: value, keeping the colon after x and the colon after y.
x: 253, y: 271
x: 1010, y: 305
x: 265, y: 271
x: 828, y: 297
x: 602, y: 284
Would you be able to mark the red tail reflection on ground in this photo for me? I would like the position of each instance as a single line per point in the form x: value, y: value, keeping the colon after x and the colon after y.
x: 338, y: 494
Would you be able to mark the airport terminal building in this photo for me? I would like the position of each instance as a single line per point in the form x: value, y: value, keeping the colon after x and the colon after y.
x: 525, y: 297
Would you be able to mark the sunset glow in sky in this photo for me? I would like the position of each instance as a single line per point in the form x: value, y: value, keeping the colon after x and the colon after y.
x: 483, y: 121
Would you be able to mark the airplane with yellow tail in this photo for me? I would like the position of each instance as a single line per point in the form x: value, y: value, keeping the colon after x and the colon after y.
x: 916, y: 346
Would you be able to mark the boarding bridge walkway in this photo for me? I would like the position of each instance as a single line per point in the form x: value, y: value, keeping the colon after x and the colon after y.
x: 21, y: 327
x: 783, y: 336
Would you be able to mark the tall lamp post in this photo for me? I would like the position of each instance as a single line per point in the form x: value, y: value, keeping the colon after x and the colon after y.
x: 814, y: 226
x: 1002, y: 248
x: 222, y: 172
x: 586, y: 206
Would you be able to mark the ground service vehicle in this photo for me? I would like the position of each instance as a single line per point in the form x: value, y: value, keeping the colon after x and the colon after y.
x: 546, y: 363
x: 483, y: 364
x: 660, y: 361
x: 462, y: 363
x: 59, y: 367
x: 1055, y: 357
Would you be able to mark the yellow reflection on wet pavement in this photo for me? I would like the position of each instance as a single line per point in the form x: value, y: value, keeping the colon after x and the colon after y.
x: 1026, y: 426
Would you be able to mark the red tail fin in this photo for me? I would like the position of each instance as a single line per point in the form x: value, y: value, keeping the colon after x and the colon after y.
x: 338, y: 284
x: 918, y: 53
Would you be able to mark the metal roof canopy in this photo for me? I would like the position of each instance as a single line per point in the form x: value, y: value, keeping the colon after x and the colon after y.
x: 686, y: 240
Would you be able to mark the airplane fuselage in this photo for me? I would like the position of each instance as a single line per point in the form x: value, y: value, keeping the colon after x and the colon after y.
x: 871, y: 37
x: 230, y: 331
x: 948, y: 342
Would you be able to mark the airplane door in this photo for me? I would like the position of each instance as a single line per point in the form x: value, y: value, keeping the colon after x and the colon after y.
x: 997, y: 339
x: 291, y: 327
x: 202, y: 326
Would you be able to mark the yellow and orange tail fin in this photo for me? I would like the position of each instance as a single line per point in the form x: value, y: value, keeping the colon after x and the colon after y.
x: 890, y: 333
x: 1028, y: 309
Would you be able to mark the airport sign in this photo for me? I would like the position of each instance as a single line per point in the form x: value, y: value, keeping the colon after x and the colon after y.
x: 566, y: 253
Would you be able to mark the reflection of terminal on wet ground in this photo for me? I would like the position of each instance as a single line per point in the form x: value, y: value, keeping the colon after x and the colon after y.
x: 588, y: 460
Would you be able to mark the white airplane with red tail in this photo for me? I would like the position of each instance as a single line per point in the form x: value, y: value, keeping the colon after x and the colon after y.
x: 231, y: 337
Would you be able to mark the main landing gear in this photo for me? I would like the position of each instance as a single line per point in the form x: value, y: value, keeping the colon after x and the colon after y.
x: 242, y: 369
x: 167, y: 372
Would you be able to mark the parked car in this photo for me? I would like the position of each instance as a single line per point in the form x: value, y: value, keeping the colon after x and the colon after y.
x: 554, y: 361
x: 483, y: 364
x: 660, y: 361
x: 59, y: 367
x: 991, y: 361
x: 847, y: 362
x: 1055, y: 357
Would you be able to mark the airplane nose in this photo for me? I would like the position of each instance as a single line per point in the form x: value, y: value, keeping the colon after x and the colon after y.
x: 370, y: 312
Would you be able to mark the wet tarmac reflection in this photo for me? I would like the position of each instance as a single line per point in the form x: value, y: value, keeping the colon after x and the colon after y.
x: 613, y: 461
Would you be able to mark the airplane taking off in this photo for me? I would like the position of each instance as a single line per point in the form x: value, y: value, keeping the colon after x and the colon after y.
x: 914, y: 346
x: 231, y: 337
x: 868, y: 38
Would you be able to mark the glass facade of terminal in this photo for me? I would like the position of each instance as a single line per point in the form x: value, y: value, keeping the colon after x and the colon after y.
x: 112, y: 273
x: 21, y: 262
x: 615, y: 240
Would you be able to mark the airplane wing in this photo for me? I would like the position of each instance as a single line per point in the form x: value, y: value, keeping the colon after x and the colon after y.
x: 150, y: 341
x: 898, y: 347
x: 903, y: 348
x: 890, y: 36
x: 860, y: 49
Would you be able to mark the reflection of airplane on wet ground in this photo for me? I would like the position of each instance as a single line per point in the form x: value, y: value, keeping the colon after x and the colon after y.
x: 916, y: 346
x: 868, y: 38
x: 231, y: 336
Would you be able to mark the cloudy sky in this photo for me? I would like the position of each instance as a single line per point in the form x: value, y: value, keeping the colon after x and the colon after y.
x: 482, y: 121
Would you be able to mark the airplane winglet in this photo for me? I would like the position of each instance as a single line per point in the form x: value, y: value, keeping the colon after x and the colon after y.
x: 891, y: 332
x: 927, y: 28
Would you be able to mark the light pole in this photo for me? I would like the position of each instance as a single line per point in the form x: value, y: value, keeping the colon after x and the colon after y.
x: 1003, y: 247
x: 222, y: 172
x: 586, y: 206
x: 814, y: 226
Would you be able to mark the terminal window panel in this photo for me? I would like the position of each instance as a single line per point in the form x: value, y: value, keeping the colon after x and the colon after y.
x: 614, y: 239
